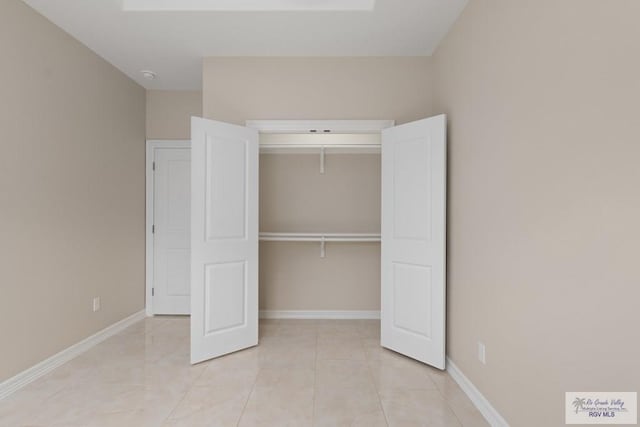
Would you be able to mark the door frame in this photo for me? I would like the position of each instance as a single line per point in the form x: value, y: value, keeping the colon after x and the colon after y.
x: 152, y: 145
x: 318, y: 126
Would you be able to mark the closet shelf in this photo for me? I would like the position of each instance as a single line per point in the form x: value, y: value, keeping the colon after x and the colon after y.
x: 266, y: 147
x: 320, y: 237
x: 323, y: 149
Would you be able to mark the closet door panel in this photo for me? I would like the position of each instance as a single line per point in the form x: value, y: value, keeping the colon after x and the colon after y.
x: 224, y: 239
x: 413, y: 240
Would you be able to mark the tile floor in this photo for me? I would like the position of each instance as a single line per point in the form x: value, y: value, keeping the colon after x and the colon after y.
x: 304, y: 373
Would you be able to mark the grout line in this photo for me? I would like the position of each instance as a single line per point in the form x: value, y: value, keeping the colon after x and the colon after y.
x: 446, y: 399
x: 158, y: 320
x: 184, y: 396
x: 315, y: 381
x: 451, y: 409
x: 386, y: 419
x: 253, y: 388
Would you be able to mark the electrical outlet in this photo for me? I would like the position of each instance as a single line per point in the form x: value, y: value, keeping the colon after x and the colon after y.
x: 482, y: 353
x: 96, y: 304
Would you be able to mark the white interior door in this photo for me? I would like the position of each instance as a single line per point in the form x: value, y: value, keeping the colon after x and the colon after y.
x: 413, y: 240
x: 171, y: 237
x: 224, y: 238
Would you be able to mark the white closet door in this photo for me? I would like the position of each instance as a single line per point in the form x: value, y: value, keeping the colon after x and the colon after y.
x: 413, y: 240
x: 171, y: 238
x: 224, y: 239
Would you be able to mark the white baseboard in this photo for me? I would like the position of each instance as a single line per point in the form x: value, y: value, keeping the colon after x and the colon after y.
x: 319, y: 314
x: 490, y: 413
x: 33, y: 373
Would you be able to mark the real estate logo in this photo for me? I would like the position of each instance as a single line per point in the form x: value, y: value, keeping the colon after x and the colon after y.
x: 600, y: 407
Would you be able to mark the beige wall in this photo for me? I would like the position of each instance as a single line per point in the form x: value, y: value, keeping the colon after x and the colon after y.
x: 292, y: 275
x: 544, y: 200
x: 295, y: 197
x: 71, y: 190
x: 237, y: 89
x: 169, y: 113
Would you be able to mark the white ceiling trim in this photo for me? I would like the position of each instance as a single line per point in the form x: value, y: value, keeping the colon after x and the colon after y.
x: 246, y: 5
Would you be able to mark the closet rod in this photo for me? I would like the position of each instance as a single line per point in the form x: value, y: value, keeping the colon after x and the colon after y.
x: 319, y: 237
x: 316, y: 146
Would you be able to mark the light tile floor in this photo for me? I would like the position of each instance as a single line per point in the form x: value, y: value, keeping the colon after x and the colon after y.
x: 304, y: 373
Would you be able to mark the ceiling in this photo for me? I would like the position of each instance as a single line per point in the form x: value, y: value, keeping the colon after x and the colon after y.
x: 173, y: 43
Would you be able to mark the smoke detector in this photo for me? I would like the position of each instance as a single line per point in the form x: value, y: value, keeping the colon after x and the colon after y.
x: 149, y: 75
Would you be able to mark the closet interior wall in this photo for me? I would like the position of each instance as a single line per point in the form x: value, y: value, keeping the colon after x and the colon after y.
x: 296, y: 197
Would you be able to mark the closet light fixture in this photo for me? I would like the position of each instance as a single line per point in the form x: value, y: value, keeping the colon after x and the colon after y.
x: 247, y: 5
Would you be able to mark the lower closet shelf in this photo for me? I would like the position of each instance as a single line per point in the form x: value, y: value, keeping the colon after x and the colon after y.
x: 321, y: 238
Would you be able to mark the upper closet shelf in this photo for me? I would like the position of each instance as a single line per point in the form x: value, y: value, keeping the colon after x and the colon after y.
x: 312, y: 143
x: 321, y: 144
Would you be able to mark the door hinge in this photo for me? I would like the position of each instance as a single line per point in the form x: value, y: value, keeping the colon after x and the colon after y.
x: 153, y: 291
x: 153, y: 166
x: 153, y: 229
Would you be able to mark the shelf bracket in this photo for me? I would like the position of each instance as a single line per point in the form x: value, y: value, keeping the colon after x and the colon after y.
x: 322, y: 248
x: 322, y: 159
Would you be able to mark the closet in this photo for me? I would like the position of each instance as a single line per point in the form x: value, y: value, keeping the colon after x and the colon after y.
x: 328, y: 184
x: 319, y: 225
